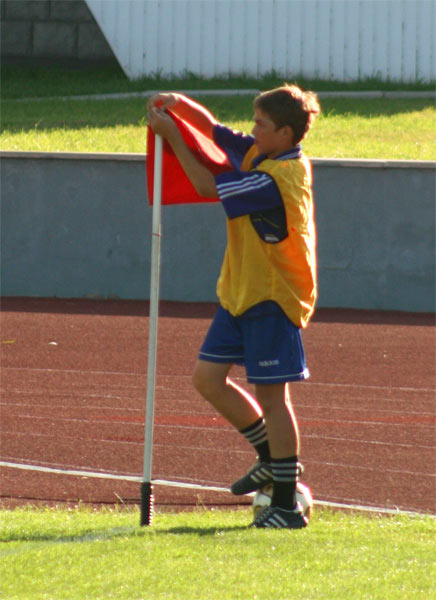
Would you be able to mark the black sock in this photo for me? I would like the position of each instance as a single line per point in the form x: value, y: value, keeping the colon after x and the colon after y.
x: 257, y: 436
x: 286, y: 473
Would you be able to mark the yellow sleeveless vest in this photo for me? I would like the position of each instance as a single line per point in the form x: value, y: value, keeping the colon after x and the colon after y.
x: 254, y: 271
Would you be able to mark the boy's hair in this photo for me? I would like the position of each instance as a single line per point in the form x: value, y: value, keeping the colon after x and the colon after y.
x: 289, y: 105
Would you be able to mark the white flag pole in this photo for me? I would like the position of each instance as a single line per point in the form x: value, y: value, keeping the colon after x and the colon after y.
x: 146, y: 487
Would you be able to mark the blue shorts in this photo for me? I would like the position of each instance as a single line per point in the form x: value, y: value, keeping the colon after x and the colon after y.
x: 263, y: 339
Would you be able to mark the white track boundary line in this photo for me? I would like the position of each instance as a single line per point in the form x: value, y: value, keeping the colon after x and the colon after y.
x: 195, y: 486
x: 74, y: 472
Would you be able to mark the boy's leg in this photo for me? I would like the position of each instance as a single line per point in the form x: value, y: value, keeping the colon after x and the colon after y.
x: 231, y: 401
x: 243, y: 412
x: 284, y: 440
x: 281, y: 423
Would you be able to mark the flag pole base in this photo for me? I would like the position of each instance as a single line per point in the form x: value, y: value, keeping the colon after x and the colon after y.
x: 147, y: 502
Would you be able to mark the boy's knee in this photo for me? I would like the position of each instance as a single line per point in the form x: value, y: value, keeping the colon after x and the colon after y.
x: 208, y: 380
x: 198, y: 379
x: 201, y: 380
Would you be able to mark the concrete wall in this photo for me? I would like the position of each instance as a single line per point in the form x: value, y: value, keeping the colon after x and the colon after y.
x: 51, y: 29
x: 80, y: 226
x: 376, y: 234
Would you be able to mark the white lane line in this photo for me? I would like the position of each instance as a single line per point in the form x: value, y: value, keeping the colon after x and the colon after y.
x: 194, y: 486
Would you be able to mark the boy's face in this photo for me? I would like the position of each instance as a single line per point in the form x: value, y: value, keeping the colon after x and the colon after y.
x: 268, y: 139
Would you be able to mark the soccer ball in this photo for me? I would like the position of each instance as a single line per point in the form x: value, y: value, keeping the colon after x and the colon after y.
x: 262, y: 499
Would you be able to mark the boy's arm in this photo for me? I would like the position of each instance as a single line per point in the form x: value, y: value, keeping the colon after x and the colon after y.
x: 185, y: 108
x: 199, y: 175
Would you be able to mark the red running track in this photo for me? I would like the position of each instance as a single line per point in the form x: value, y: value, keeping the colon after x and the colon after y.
x: 73, y: 392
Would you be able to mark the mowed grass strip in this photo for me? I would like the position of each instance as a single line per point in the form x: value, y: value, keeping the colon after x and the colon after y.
x: 80, y: 553
x: 396, y: 129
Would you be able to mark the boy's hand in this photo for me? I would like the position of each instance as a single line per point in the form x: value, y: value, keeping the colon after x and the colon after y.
x: 161, y: 123
x: 184, y: 107
x: 162, y: 101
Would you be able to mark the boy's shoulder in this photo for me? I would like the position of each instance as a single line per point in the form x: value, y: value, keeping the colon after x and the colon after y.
x: 288, y: 170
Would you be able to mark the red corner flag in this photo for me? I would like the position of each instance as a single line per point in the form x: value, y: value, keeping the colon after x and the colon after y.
x: 176, y: 187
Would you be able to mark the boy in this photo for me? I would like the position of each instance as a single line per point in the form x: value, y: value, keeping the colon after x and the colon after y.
x: 267, y: 284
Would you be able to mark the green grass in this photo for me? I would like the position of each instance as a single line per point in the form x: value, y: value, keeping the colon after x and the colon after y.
x: 21, y: 81
x: 347, y: 128
x: 207, y: 555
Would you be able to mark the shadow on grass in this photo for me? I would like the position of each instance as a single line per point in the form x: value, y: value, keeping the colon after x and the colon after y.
x: 118, y: 532
x: 63, y: 77
x: 44, y: 536
x: 201, y: 531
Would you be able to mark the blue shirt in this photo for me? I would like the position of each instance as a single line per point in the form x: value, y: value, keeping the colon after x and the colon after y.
x: 246, y: 192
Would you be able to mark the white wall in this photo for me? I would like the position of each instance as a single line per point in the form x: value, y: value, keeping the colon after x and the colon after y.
x: 324, y: 39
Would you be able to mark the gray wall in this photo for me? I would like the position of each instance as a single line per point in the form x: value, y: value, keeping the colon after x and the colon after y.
x: 80, y: 226
x: 51, y: 29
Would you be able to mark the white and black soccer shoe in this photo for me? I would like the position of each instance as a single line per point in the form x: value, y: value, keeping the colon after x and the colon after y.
x: 257, y: 477
x: 279, y: 518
